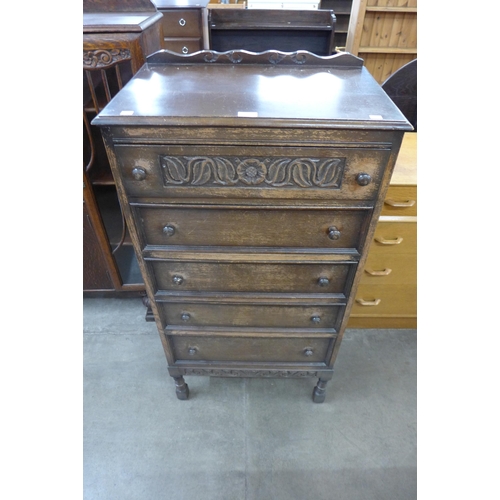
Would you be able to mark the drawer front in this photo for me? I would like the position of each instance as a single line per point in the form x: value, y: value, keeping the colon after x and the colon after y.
x: 394, y: 236
x: 400, y: 200
x: 182, y: 23
x: 256, y: 227
x: 374, y: 300
x: 388, y: 269
x: 249, y: 171
x: 242, y: 315
x: 183, y: 45
x: 183, y: 276
x: 265, y: 350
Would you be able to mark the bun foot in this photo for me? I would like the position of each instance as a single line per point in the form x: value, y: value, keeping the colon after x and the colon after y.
x: 319, y: 392
x: 181, y: 388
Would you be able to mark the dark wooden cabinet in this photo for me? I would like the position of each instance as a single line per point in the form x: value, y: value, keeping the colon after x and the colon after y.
x: 117, y: 37
x: 251, y: 211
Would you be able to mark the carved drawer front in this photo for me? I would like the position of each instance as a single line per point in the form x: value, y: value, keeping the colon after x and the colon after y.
x: 390, y: 269
x: 183, y: 45
x: 291, y: 350
x: 183, y: 276
x: 248, y: 171
x: 400, y: 200
x: 395, y: 235
x: 256, y: 227
x: 181, y: 23
x: 241, y: 315
x: 377, y: 300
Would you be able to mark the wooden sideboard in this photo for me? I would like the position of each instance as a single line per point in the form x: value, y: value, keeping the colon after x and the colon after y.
x: 184, y: 25
x: 251, y: 212
x: 117, y: 37
x: 387, y: 294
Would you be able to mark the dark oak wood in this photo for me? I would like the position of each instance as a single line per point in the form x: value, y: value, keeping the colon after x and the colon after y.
x: 251, y: 212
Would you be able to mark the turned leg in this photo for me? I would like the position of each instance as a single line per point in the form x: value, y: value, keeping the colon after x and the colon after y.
x: 181, y: 388
x: 320, y: 391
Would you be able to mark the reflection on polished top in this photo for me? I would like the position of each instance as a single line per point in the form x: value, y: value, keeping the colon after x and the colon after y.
x: 270, y: 88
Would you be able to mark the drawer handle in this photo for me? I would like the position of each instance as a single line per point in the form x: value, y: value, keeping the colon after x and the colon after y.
x: 169, y: 230
x: 362, y: 302
x: 363, y: 179
x: 383, y: 241
x: 384, y: 272
x: 178, y: 280
x: 308, y: 351
x: 139, y: 174
x: 185, y: 50
x: 400, y: 204
x: 192, y: 351
x: 182, y: 21
x: 323, y: 282
x: 333, y: 233
x: 185, y: 316
x: 316, y: 319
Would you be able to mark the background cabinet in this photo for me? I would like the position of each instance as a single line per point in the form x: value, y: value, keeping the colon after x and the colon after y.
x: 387, y: 293
x: 117, y: 37
x: 384, y: 34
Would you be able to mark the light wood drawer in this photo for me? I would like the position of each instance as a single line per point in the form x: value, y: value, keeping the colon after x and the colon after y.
x: 375, y: 300
x: 181, y: 23
x: 183, y: 45
x: 388, y: 269
x: 255, y: 227
x: 400, y: 200
x: 183, y: 276
x: 264, y: 350
x: 395, y: 235
x: 250, y: 171
x: 245, y: 315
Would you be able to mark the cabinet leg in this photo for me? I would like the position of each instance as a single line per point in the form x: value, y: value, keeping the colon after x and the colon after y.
x: 319, y: 392
x: 181, y: 388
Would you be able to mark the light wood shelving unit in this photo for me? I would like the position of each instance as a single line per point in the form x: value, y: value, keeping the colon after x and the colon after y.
x: 384, y: 34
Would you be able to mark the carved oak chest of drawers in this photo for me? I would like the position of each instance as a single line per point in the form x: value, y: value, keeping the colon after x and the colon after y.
x: 252, y: 184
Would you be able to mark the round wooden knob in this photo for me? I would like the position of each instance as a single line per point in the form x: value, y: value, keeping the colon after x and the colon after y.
x: 363, y: 179
x: 323, y: 282
x: 316, y: 319
x: 192, y: 351
x: 177, y: 280
x: 308, y: 351
x: 169, y: 230
x: 333, y: 233
x: 139, y: 174
x: 185, y: 316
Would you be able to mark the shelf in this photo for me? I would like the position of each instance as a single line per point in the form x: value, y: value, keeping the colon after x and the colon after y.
x: 386, y: 50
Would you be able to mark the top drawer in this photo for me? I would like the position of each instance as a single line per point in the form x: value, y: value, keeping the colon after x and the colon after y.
x: 249, y: 171
x: 181, y: 23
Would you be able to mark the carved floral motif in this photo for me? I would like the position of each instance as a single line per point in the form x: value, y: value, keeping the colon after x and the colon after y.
x: 102, y: 58
x: 262, y: 172
x: 223, y: 372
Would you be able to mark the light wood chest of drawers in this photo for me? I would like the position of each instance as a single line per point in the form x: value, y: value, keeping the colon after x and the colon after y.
x: 387, y: 293
x: 252, y: 199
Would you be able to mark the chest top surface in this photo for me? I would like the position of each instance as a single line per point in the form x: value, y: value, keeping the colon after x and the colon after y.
x: 240, y: 88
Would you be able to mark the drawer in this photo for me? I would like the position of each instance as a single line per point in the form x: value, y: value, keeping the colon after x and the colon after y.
x: 400, y: 200
x: 260, y: 226
x: 245, y: 315
x: 374, y: 300
x: 395, y: 235
x: 181, y: 23
x: 259, y: 349
x: 250, y: 171
x: 183, y: 276
x: 387, y: 269
x: 183, y: 45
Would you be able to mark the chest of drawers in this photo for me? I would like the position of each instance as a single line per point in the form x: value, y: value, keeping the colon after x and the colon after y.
x: 252, y: 199
x: 184, y: 25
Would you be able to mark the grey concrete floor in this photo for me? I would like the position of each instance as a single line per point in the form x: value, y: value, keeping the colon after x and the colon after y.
x: 244, y: 439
